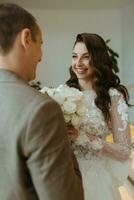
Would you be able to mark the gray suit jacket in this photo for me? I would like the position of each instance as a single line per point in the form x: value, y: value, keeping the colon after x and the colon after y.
x: 35, y: 158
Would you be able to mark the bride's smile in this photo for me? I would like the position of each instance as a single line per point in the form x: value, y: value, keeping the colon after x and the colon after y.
x: 81, y: 61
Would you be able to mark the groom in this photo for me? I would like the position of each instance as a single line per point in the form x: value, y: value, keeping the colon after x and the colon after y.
x: 35, y: 158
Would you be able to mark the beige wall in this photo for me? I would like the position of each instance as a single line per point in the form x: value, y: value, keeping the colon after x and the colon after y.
x: 128, y: 44
x: 128, y: 52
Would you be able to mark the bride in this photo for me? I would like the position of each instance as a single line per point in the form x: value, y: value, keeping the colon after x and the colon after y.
x: 104, y: 165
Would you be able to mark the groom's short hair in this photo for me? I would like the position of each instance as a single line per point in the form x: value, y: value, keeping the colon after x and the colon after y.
x: 13, y: 19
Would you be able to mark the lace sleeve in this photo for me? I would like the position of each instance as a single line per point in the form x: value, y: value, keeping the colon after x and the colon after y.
x: 120, y: 149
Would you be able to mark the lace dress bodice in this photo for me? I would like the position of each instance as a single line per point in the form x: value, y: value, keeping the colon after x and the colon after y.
x: 93, y: 123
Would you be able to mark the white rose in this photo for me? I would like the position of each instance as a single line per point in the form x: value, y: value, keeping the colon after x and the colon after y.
x: 62, y: 108
x: 49, y: 91
x: 75, y: 121
x: 58, y: 97
x: 69, y: 107
x: 43, y: 90
x: 81, y: 110
x: 72, y: 93
x: 67, y: 118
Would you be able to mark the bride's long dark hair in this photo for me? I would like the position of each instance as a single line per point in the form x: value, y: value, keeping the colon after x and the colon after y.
x: 104, y: 76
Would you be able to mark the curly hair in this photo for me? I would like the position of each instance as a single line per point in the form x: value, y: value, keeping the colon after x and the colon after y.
x: 104, y: 76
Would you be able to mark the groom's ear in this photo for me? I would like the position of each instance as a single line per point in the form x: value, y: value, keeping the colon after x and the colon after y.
x: 26, y: 38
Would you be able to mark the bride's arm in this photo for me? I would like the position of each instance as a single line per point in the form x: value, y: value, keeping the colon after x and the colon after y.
x: 120, y: 148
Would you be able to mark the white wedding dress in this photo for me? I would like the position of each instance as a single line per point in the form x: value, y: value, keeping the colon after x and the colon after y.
x: 103, y: 173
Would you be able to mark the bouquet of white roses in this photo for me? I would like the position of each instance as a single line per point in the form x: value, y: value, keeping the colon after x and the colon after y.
x: 71, y: 102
